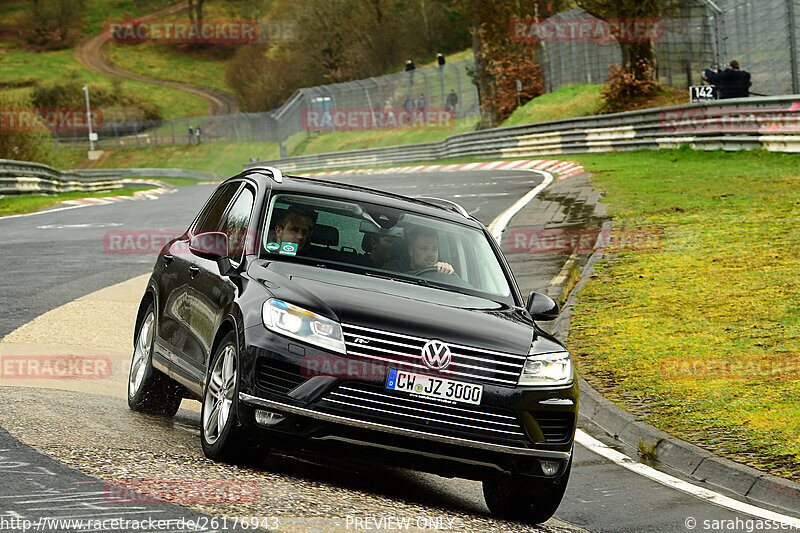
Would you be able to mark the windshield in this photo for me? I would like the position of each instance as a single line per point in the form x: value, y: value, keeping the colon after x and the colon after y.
x: 384, y: 242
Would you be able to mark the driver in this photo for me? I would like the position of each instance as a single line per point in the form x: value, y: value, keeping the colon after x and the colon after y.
x: 423, y: 252
x: 295, y: 226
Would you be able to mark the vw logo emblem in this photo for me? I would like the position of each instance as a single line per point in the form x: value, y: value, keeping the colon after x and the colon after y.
x: 436, y: 355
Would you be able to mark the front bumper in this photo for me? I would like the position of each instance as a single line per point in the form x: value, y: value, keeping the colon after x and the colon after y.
x: 400, y: 429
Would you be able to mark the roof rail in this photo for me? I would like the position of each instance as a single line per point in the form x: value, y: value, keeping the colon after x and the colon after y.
x: 274, y: 173
x: 448, y: 203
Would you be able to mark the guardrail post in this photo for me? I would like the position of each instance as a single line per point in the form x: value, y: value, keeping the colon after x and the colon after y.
x: 793, y: 44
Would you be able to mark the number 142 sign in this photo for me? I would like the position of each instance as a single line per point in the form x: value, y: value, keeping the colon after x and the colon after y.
x: 703, y: 93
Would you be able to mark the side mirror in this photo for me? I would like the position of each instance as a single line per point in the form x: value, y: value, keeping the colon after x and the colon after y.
x: 211, y: 245
x: 542, y: 307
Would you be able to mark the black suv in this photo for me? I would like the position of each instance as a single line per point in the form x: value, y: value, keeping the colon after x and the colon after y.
x: 309, y: 314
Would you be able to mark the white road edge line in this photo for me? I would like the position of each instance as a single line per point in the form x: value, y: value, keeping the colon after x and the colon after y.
x: 594, y: 445
x: 45, y: 212
x: 499, y: 224
x: 496, y: 228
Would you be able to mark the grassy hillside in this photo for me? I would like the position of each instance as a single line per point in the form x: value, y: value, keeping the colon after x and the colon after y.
x: 222, y: 158
x: 165, y: 62
x: 575, y: 101
x: 46, y: 67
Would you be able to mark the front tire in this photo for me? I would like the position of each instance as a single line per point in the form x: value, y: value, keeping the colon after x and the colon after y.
x: 526, y: 502
x: 149, y: 390
x: 221, y: 435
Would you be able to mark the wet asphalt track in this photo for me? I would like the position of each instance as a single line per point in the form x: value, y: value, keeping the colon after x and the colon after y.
x: 45, y: 267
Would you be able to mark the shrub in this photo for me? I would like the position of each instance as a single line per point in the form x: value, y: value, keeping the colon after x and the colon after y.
x: 23, y: 144
x: 624, y: 90
x: 115, y: 104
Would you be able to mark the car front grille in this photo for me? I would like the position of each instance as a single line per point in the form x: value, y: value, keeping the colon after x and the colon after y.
x: 372, y: 403
x: 476, y: 364
x: 556, y: 427
x: 278, y: 376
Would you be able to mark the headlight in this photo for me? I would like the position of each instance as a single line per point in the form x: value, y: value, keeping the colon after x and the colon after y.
x: 547, y: 369
x: 301, y: 324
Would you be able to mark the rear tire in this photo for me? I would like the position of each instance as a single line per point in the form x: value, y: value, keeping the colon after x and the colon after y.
x: 149, y: 390
x: 221, y: 435
x: 529, y: 502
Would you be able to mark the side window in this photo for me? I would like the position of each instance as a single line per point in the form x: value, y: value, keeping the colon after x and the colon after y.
x: 236, y: 223
x: 210, y: 220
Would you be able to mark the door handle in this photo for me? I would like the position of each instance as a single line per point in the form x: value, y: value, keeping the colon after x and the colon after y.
x: 193, y: 271
x: 168, y: 258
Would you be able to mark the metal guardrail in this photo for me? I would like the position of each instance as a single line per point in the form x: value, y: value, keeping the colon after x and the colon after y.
x: 25, y: 177
x: 151, y: 173
x: 709, y: 126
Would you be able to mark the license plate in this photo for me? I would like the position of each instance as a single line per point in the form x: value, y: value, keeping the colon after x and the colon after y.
x: 431, y: 387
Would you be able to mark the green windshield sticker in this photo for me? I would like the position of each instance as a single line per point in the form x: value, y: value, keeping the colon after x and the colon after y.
x: 289, y: 248
x: 273, y: 246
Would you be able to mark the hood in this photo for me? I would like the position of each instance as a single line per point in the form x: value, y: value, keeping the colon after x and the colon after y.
x: 399, y: 307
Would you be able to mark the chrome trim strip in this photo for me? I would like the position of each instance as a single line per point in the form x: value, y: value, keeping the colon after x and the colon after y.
x: 426, y: 369
x: 419, y: 348
x: 401, y: 335
x: 269, y: 404
x: 409, y: 399
x: 454, y: 356
x: 397, y: 406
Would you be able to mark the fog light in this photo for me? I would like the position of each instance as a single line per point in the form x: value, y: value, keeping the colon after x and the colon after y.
x: 268, y: 418
x: 550, y: 468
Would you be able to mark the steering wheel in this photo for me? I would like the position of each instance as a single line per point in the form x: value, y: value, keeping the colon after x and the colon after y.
x: 425, y: 270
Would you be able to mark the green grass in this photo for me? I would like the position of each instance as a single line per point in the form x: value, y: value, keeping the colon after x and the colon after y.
x: 221, y: 158
x: 51, y: 66
x: 722, y: 290
x: 163, y: 62
x: 575, y: 101
x: 29, y: 203
x: 98, y: 12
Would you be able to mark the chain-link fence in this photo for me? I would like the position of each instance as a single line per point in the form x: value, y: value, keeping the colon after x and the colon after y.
x: 446, y: 87
x: 761, y: 34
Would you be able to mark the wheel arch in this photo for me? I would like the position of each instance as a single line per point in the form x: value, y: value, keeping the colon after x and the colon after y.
x: 148, y: 298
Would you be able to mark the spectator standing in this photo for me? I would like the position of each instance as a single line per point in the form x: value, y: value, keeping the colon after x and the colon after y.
x: 421, y: 102
x: 440, y: 60
x: 731, y: 82
x: 197, y: 134
x: 410, y: 70
x: 452, y: 100
x: 191, y: 134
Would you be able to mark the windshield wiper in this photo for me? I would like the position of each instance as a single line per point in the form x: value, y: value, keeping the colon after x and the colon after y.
x: 415, y: 281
